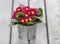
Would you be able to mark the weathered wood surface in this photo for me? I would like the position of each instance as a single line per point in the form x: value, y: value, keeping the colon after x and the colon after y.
x: 5, y: 13
x: 53, y: 9
x: 54, y: 20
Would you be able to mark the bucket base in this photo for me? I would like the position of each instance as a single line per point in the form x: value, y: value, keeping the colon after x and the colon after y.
x: 25, y: 39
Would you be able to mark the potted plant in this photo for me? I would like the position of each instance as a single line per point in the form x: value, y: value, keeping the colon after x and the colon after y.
x: 26, y: 19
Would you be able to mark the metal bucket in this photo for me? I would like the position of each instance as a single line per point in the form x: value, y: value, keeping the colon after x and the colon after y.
x: 27, y: 32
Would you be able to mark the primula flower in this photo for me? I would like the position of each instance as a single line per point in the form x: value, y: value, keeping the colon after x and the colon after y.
x: 14, y: 15
x: 34, y: 12
x: 26, y: 10
x: 26, y: 15
x: 24, y: 20
x: 18, y: 9
x: 30, y: 18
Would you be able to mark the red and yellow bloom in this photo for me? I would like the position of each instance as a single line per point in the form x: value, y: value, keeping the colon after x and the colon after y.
x: 34, y: 12
x: 14, y: 15
x: 24, y: 20
x: 18, y: 9
x: 28, y: 13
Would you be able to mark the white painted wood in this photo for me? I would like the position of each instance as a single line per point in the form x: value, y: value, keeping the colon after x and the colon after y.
x: 5, y: 13
x: 53, y: 12
x: 54, y: 20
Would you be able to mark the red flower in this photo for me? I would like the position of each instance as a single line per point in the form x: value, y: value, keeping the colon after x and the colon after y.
x: 24, y: 20
x: 26, y: 15
x: 26, y: 10
x: 34, y: 12
x: 30, y: 18
x: 14, y: 15
x: 18, y: 9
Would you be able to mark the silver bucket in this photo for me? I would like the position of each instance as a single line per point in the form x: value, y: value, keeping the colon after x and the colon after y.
x: 27, y: 32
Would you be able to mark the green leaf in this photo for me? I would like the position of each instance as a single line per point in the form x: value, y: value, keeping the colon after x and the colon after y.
x: 20, y: 14
x: 30, y: 23
x: 41, y: 12
x: 12, y: 24
x: 40, y: 9
x: 14, y: 20
x: 40, y: 15
x: 36, y: 17
x: 38, y: 20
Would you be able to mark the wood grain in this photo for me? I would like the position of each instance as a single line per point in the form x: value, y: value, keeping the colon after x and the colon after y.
x: 53, y: 15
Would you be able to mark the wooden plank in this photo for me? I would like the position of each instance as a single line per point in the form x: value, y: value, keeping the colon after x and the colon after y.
x: 54, y: 21
x: 5, y: 14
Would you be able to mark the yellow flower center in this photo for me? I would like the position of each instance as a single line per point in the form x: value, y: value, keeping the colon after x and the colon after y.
x: 30, y: 19
x: 32, y: 12
x: 26, y: 14
x: 26, y: 20
x: 22, y: 21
